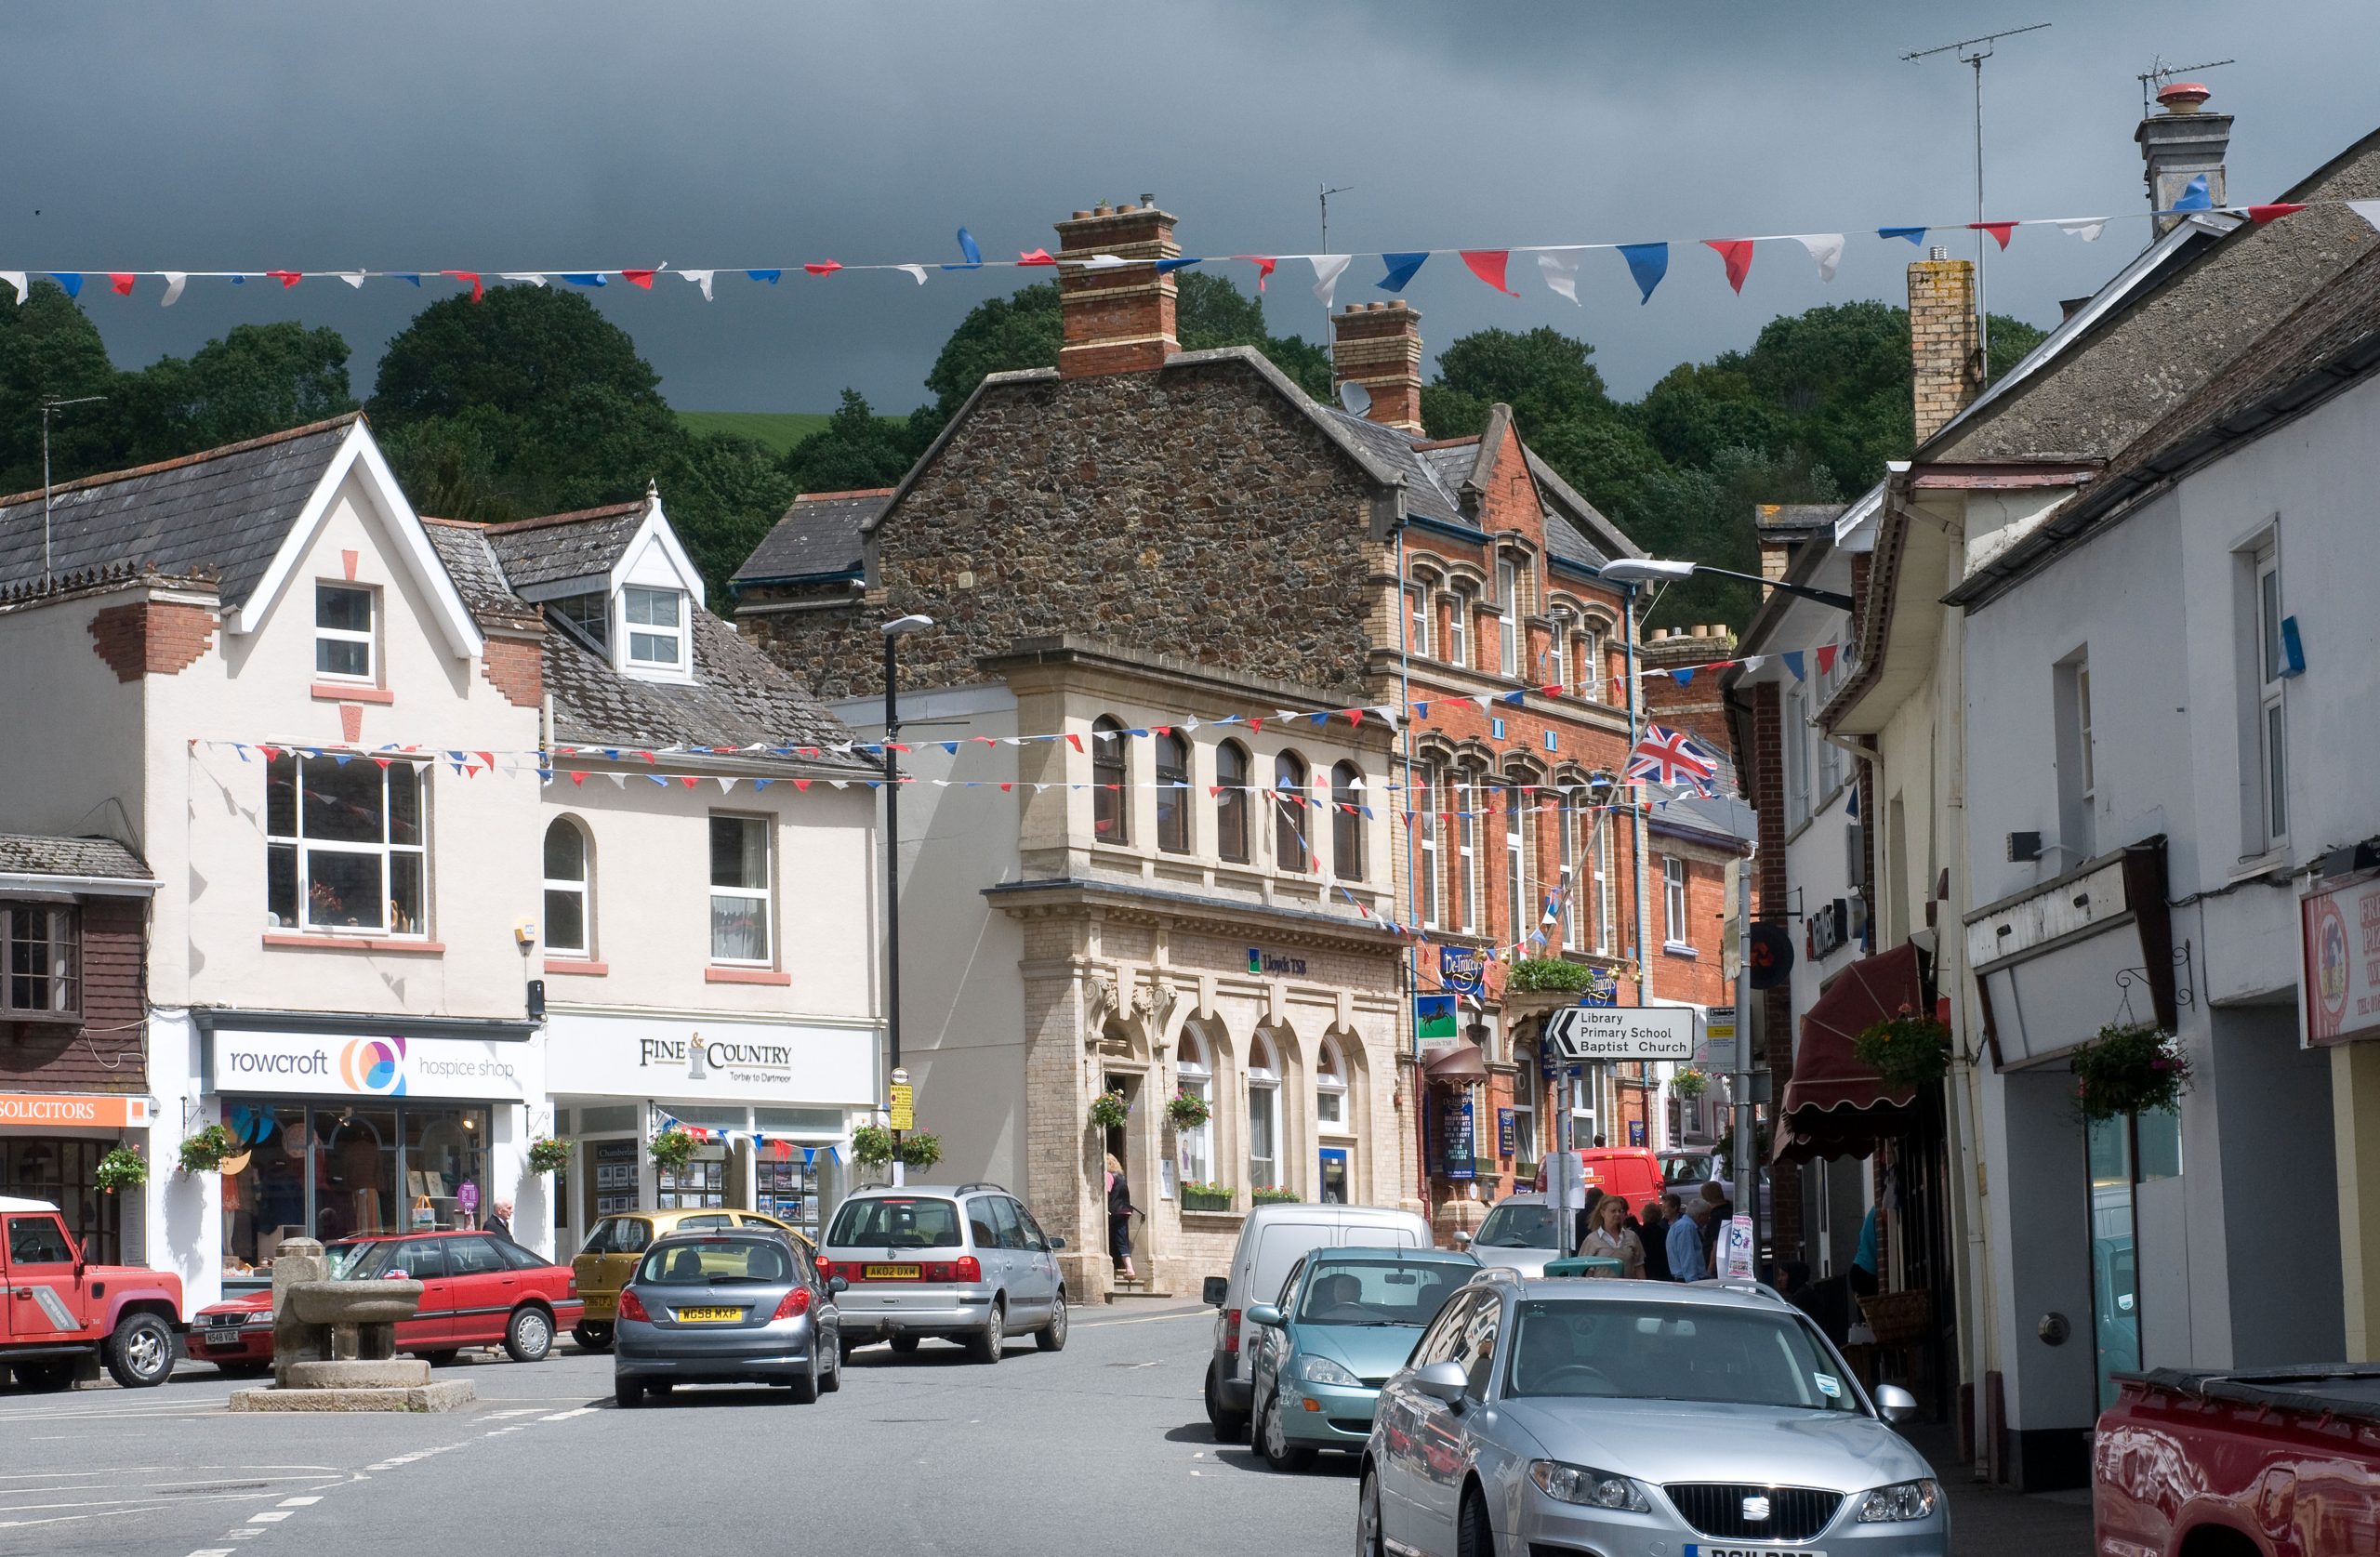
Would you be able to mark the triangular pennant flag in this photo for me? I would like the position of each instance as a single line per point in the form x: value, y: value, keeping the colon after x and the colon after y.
x: 1263, y: 263
x: 640, y: 278
x: 1166, y: 267
x: 17, y: 280
x: 1826, y: 248
x: 1560, y: 269
x: 2262, y: 214
x: 1851, y: 804
x: 120, y: 283
x: 577, y: 778
x: 619, y: 781
x: 726, y: 784
x: 823, y: 266
x: 967, y: 247
x: 802, y: 785
x: 701, y: 279
x: 1826, y: 658
x: 587, y: 278
x: 949, y: 746
x: 1104, y: 262
x: 772, y: 277
x: 535, y: 278
x: 71, y: 279
x: 2195, y: 196
x: 1648, y: 263
x: 1328, y: 268
x: 469, y: 278
x: 286, y: 278
x: 352, y: 278
x: 917, y: 272
x: 1074, y: 740
x: 1753, y: 662
x: 1916, y: 235
x: 1736, y: 253
x: 1793, y: 658
x: 1400, y: 269
x: 2368, y: 209
x: 2085, y: 228
x: 1683, y: 675
x: 1489, y: 265
x: 1035, y: 256
x: 413, y: 276
x: 2001, y: 231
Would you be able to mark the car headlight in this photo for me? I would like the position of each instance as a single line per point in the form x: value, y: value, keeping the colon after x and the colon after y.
x: 1902, y: 1500
x: 264, y: 1319
x: 1322, y: 1370
x: 1579, y: 1483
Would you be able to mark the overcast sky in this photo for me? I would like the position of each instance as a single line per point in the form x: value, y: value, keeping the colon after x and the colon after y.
x: 513, y: 136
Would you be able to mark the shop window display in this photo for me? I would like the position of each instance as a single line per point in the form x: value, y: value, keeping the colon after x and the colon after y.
x: 64, y: 1171
x: 337, y: 1170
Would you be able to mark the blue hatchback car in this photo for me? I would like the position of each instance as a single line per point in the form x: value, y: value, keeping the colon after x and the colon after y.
x: 1345, y: 1320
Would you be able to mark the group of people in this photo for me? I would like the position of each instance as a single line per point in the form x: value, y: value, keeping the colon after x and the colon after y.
x: 1670, y: 1240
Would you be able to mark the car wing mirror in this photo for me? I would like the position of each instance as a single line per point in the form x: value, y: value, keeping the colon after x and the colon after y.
x: 1215, y: 1291
x: 1445, y: 1381
x: 1056, y: 1241
x: 840, y: 1283
x: 1264, y: 1314
x: 1462, y: 1239
x: 1895, y: 1403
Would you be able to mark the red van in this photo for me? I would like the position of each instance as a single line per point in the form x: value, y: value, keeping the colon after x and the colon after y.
x: 1630, y: 1172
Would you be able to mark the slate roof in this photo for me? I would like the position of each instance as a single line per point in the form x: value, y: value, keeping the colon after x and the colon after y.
x: 739, y: 696
x: 478, y: 576
x: 580, y: 544
x: 30, y: 854
x: 224, y: 511
x: 819, y: 536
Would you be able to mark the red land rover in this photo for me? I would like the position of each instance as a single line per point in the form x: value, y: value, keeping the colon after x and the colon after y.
x: 60, y: 1315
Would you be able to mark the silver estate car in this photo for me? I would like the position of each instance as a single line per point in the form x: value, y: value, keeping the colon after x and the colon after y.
x: 1637, y: 1418
x: 966, y: 1263
x: 735, y: 1305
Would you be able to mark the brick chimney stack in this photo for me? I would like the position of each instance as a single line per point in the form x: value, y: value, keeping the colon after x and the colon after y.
x: 1116, y: 318
x: 2180, y: 144
x: 1379, y: 346
x: 1942, y: 340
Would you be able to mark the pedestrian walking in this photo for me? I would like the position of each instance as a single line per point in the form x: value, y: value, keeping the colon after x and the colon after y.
x: 1688, y: 1257
x: 1119, y: 1219
x: 1863, y: 1263
x: 1611, y: 1238
x: 1653, y: 1232
x: 1720, y: 1213
x: 499, y: 1220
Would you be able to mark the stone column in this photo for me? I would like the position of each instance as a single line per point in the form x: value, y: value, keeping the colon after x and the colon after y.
x: 294, y: 1260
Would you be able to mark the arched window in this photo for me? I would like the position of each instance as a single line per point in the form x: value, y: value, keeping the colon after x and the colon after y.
x: 1508, y: 616
x: 1523, y: 913
x: 1110, y: 769
x: 1571, y: 872
x: 1589, y: 675
x: 1330, y: 1090
x: 1195, y: 1078
x: 1347, y: 823
x: 1173, y: 794
x: 1470, y: 795
x: 1425, y: 803
x: 570, y: 926
x: 1459, y: 628
x: 1231, y: 802
x: 1557, y: 652
x: 1418, y: 610
x: 1264, y: 1114
x: 1290, y: 827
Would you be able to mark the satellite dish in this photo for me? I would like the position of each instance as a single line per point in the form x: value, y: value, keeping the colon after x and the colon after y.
x: 1356, y: 399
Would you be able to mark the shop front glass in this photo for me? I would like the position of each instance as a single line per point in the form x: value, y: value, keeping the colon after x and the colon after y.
x: 64, y: 1171
x: 334, y: 1170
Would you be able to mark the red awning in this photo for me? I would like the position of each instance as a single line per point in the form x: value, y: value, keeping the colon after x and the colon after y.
x: 1834, y: 1106
x: 1459, y: 1065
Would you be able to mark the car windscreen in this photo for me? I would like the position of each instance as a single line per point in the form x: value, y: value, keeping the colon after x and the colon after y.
x: 1380, y: 1292
x: 619, y: 1235
x: 716, y: 1261
x: 358, y: 1262
x: 895, y: 1221
x: 1656, y: 1350
x: 1529, y: 1226
x: 1689, y: 1172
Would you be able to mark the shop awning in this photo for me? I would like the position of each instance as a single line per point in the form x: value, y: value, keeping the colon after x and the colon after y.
x: 1834, y: 1106
x: 1459, y: 1065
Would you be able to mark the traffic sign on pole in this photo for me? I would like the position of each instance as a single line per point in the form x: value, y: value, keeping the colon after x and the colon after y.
x: 1622, y: 1032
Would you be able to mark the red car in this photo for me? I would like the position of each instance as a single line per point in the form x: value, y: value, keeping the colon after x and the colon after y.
x: 477, y: 1289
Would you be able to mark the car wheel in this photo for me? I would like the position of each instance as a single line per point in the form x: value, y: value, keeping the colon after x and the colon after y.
x: 627, y: 1394
x: 1272, y: 1440
x: 592, y: 1337
x: 141, y: 1352
x: 530, y: 1337
x: 1229, y: 1425
x: 986, y: 1344
x: 834, y: 1379
x: 1052, y: 1336
x: 443, y: 1358
x: 1367, y: 1521
x: 904, y: 1345
x: 55, y: 1374
x: 1472, y: 1535
x: 805, y: 1386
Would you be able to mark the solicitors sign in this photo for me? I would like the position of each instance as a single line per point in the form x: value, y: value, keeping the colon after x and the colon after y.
x: 329, y: 1065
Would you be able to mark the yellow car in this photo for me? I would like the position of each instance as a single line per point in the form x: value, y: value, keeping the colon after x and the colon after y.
x: 619, y: 1240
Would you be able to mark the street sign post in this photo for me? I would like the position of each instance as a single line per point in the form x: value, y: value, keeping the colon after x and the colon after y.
x: 1719, y: 1039
x: 1580, y: 1033
x: 904, y: 1109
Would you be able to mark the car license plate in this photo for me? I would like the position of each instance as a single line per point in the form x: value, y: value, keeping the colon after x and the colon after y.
x: 230, y: 1337
x: 889, y: 1272
x: 1698, y: 1548
x: 709, y: 1315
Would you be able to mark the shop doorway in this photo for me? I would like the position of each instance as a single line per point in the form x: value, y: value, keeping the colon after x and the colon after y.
x: 1121, y: 1140
x: 2115, y: 1287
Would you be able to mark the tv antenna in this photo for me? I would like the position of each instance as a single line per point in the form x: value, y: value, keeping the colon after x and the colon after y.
x: 47, y: 407
x: 2152, y: 80
x: 1325, y: 191
x: 1973, y: 52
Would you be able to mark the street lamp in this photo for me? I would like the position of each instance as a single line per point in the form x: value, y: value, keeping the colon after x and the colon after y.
x: 894, y: 630
x: 1655, y: 569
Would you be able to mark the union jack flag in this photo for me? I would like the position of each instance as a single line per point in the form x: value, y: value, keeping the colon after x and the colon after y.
x: 1669, y: 758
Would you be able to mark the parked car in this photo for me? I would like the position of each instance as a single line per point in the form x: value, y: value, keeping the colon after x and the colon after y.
x: 61, y: 1315
x: 1343, y: 1321
x: 966, y: 1263
x: 2283, y: 1462
x: 1630, y: 1172
x: 1522, y: 1233
x: 618, y: 1241
x: 740, y: 1305
x: 477, y: 1289
x: 1272, y: 1239
x: 1638, y: 1416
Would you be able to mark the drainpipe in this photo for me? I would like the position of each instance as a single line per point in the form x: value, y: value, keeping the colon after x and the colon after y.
x: 1636, y: 806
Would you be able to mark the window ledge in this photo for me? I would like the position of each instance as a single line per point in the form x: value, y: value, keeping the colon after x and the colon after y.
x: 356, y: 944
x: 1679, y: 948
x: 52, y: 1019
x: 332, y: 691
x: 577, y: 967
x: 746, y: 976
x: 1214, y: 1218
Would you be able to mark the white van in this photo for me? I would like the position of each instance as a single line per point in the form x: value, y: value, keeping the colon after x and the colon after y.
x: 1272, y: 1239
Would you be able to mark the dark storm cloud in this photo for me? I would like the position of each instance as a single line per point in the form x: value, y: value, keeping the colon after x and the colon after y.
x: 515, y: 136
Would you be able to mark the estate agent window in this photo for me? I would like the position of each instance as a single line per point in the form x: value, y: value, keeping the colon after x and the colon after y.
x: 657, y: 626
x: 343, y: 632
x: 42, y: 962
x: 345, y: 845
x: 739, y: 889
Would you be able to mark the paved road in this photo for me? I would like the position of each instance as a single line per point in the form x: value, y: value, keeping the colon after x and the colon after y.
x: 1101, y: 1449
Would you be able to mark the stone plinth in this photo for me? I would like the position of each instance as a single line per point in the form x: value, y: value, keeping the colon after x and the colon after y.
x: 445, y: 1395
x: 396, y: 1373
x: 335, y: 1343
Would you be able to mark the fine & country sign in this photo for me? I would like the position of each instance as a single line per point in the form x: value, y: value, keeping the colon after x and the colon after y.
x: 1622, y: 1032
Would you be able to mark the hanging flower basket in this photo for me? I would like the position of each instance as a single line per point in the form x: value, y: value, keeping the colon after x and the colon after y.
x: 2129, y: 1069
x: 1273, y: 1195
x: 1907, y: 1050
x: 672, y: 1149
x: 919, y: 1150
x: 1108, y: 1111
x: 1689, y: 1084
x: 1188, y: 1110
x: 1548, y: 975
x: 205, y: 1152
x: 548, y: 1155
x: 872, y: 1146
x: 1198, y: 1196
x: 123, y: 1168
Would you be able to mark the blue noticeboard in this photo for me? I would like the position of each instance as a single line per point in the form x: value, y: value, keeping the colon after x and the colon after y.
x: 1456, y: 1147
x: 1461, y: 970
x: 1603, y: 988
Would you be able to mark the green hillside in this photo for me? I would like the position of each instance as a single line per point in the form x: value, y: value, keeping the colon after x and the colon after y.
x: 777, y: 430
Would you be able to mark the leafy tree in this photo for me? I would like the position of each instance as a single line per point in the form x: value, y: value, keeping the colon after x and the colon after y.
x: 1545, y: 375
x: 258, y: 378
x: 49, y: 349
x: 856, y: 450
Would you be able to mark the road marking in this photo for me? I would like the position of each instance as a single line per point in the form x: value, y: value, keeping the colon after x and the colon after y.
x: 270, y: 1516
x: 299, y: 1502
x: 1145, y: 1319
x: 213, y: 1552
x: 565, y: 1416
x: 520, y: 1411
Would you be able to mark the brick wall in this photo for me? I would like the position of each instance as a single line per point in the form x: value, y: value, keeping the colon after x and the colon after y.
x: 1696, y: 707
x: 1764, y: 782
x: 1942, y: 341
x: 105, y: 1052
x: 150, y: 638
x: 515, y: 667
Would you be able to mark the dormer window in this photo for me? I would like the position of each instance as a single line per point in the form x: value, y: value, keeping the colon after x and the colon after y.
x: 590, y: 614
x: 656, y: 625
x: 343, y: 632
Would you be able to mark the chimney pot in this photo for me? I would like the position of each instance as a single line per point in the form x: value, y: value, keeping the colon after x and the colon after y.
x: 2180, y: 146
x: 1938, y: 252
x: 1082, y: 216
x: 2184, y: 97
x: 1116, y: 318
x: 1379, y: 347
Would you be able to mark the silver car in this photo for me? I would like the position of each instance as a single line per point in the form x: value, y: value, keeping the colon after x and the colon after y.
x: 1636, y: 1418
x: 1523, y: 1233
x: 732, y: 1306
x: 966, y: 1263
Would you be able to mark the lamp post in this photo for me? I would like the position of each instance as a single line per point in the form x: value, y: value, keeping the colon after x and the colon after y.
x: 894, y: 630
x: 1655, y: 569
